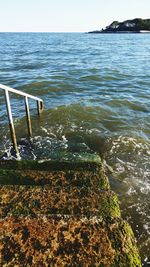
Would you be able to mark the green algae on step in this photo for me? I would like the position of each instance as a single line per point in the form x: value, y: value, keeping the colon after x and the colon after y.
x: 60, y: 213
x: 67, y: 241
x: 82, y: 169
x: 35, y: 200
x: 77, y: 177
x: 60, y: 161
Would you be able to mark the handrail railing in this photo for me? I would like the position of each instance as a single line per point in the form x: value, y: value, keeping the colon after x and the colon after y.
x: 40, y: 107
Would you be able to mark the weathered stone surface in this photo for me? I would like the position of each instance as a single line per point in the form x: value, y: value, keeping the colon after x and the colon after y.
x: 62, y: 213
x: 95, y: 178
x: 34, y: 200
x: 63, y: 161
x: 67, y: 241
x: 75, y: 172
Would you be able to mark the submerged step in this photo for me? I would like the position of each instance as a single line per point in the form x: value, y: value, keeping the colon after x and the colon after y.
x: 35, y: 200
x: 67, y: 241
x: 59, y: 161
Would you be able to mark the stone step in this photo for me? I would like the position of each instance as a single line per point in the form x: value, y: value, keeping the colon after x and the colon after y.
x: 55, y: 178
x: 80, y: 174
x: 62, y: 161
x: 67, y: 241
x: 35, y: 200
x: 62, y: 213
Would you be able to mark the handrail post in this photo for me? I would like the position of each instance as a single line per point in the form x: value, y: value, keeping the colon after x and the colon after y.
x: 40, y: 107
x: 28, y: 116
x: 11, y: 124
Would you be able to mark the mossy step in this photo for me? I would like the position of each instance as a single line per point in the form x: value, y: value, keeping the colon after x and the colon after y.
x: 78, y: 177
x: 67, y: 241
x: 74, y: 185
x: 34, y: 200
x: 62, y: 162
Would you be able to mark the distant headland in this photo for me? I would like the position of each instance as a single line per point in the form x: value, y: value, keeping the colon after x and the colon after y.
x: 128, y: 26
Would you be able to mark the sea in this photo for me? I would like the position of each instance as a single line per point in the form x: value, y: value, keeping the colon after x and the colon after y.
x: 96, y: 92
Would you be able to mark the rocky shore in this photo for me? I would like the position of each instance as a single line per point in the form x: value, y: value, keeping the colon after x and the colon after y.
x: 128, y: 26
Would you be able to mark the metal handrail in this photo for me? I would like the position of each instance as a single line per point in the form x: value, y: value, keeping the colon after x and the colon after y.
x: 40, y: 107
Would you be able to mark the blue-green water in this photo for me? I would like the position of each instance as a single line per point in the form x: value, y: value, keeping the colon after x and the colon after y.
x: 96, y: 90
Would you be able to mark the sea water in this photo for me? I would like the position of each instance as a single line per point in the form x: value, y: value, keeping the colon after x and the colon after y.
x: 96, y: 92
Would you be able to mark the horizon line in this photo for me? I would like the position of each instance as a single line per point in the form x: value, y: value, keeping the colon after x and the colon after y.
x: 43, y: 31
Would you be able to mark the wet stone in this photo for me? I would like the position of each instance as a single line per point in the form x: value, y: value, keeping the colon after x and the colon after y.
x: 67, y: 241
x: 59, y: 162
x: 62, y: 213
x: 55, y: 178
x: 34, y: 200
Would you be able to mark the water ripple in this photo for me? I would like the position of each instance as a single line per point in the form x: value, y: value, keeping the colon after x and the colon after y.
x: 96, y: 90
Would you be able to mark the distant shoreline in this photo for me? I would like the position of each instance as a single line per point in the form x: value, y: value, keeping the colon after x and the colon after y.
x: 127, y: 26
x: 119, y: 32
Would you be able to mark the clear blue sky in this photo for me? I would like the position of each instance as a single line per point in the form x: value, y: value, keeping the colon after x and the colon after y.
x: 67, y: 15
